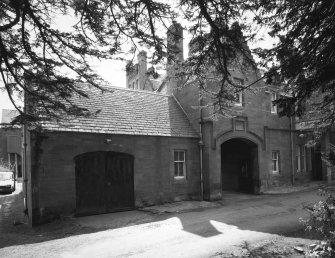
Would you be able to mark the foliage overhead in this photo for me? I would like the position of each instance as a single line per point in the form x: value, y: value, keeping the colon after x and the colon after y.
x: 304, y: 57
x: 48, y: 62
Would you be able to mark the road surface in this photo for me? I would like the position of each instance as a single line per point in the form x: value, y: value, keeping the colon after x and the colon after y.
x: 192, y: 234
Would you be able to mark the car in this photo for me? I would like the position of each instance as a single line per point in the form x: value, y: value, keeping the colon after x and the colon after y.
x: 7, y: 181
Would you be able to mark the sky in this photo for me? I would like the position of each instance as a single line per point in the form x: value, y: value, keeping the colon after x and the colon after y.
x: 113, y: 71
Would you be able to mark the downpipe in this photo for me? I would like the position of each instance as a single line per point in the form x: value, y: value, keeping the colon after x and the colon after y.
x: 201, y: 146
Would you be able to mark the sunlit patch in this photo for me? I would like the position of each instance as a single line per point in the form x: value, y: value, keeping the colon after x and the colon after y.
x: 222, y: 227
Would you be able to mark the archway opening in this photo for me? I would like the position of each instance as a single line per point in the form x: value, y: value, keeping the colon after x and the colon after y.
x: 239, y: 165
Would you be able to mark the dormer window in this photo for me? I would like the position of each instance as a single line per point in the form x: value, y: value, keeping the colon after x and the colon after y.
x: 274, y: 97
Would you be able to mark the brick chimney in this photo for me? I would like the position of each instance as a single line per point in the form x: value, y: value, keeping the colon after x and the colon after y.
x: 136, y: 74
x: 142, y: 68
x: 175, y: 54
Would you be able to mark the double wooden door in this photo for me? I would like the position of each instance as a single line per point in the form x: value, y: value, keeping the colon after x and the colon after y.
x: 104, y: 182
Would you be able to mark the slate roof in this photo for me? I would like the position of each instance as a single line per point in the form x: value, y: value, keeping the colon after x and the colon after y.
x: 130, y: 112
x: 8, y: 115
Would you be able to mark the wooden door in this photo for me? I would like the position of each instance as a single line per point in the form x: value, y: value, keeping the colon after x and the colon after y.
x: 90, y: 176
x: 104, y: 182
x: 119, y: 182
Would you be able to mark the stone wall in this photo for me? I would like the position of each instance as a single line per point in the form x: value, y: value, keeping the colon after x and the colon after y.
x: 53, y: 168
x: 267, y: 130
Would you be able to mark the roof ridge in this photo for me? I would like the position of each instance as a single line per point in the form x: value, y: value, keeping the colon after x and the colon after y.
x: 140, y: 91
x: 127, y: 89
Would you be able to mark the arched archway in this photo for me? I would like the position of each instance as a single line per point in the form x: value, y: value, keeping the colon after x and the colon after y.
x: 239, y: 165
x: 104, y: 182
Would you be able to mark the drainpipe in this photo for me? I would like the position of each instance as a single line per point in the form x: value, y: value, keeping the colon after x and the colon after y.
x: 292, y: 148
x: 201, y: 145
x: 25, y: 156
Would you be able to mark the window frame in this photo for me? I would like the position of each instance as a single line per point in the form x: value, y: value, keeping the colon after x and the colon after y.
x: 275, y: 161
x: 239, y: 95
x: 239, y: 98
x: 274, y: 109
x: 178, y: 176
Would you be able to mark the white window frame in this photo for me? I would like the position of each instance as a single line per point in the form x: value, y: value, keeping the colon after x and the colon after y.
x: 274, y: 96
x: 239, y: 98
x: 182, y: 161
x: 239, y: 95
x: 275, y: 161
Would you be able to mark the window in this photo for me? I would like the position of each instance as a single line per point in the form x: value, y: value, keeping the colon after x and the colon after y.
x: 137, y: 86
x: 239, y: 94
x: 275, y: 161
x: 301, y: 158
x: 273, y: 107
x: 179, y: 164
x: 239, y: 99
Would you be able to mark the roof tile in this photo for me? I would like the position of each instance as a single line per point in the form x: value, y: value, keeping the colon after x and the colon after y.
x: 125, y: 111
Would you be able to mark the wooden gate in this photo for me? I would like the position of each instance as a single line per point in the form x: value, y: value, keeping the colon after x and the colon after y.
x: 104, y: 182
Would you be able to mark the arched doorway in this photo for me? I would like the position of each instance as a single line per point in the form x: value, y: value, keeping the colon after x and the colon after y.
x: 104, y: 182
x: 239, y: 165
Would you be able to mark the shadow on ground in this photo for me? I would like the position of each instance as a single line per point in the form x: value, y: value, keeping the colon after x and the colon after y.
x: 205, y: 223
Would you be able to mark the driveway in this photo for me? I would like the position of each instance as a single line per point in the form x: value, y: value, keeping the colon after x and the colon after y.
x: 203, y: 233
x: 11, y: 208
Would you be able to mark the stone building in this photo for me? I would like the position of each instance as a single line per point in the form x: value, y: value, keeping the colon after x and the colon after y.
x: 151, y: 143
x: 10, y: 143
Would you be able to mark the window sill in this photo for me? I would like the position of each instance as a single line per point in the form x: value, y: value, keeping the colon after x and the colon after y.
x: 180, y: 179
x: 300, y: 171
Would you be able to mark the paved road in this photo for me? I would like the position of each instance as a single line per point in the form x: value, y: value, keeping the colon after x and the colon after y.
x: 11, y: 208
x: 191, y: 234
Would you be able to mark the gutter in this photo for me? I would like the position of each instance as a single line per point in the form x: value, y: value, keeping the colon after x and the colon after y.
x: 24, y: 175
x: 201, y: 145
x: 292, y: 152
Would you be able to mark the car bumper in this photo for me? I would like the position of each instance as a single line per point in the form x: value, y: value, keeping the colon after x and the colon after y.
x: 6, y: 188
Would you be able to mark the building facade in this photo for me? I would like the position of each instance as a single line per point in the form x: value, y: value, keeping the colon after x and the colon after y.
x: 153, y: 143
x: 10, y: 143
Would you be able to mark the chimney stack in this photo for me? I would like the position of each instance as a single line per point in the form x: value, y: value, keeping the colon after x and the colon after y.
x: 142, y: 68
x: 175, y: 54
x: 175, y: 50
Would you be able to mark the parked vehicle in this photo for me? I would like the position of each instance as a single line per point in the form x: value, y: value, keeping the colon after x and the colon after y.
x: 7, y: 181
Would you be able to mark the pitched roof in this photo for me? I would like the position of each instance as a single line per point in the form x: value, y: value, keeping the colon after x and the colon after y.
x: 8, y: 115
x: 131, y: 112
